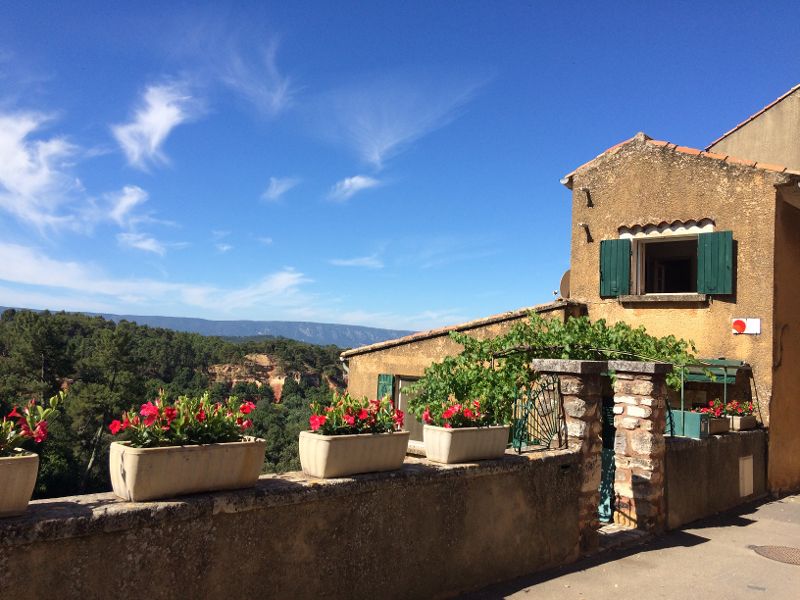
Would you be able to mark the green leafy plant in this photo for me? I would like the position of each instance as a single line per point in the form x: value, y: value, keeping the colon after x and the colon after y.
x: 186, y: 421
x: 496, y: 371
x: 27, y: 424
x: 348, y: 415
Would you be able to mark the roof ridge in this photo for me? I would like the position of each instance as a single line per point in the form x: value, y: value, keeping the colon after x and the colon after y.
x: 753, y: 116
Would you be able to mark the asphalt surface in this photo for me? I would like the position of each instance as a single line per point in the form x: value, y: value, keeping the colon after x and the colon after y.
x: 712, y: 558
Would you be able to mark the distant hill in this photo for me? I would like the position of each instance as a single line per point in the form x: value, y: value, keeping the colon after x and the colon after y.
x: 344, y: 336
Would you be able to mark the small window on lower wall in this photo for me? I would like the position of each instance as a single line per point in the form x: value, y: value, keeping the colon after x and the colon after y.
x: 401, y: 401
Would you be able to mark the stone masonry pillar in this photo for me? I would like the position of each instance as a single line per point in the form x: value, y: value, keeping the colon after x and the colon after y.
x: 581, y: 387
x: 640, y: 397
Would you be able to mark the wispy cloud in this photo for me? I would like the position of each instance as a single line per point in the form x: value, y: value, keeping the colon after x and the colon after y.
x: 141, y: 241
x: 349, y: 186
x: 35, y: 182
x: 278, y: 186
x: 439, y: 251
x: 123, y: 203
x: 381, y: 118
x: 257, y: 78
x: 369, y: 262
x: 162, y: 108
x: 28, y: 266
x: 223, y: 248
x: 267, y: 241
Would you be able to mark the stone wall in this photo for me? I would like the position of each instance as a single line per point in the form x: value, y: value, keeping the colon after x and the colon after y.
x: 704, y: 477
x: 420, y: 532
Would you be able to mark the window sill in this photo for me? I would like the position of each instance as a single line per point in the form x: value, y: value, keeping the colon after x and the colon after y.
x: 664, y: 298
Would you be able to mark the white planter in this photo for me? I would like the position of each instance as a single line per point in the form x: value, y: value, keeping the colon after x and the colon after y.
x: 743, y: 423
x: 341, y: 455
x: 140, y: 474
x: 718, y: 425
x: 464, y: 444
x: 17, y: 480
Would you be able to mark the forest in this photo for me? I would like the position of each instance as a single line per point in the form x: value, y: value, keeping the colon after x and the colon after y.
x: 107, y: 368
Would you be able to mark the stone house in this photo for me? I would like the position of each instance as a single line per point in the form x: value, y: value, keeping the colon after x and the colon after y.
x: 686, y: 242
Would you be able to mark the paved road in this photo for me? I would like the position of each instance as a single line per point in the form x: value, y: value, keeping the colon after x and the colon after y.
x: 709, y: 560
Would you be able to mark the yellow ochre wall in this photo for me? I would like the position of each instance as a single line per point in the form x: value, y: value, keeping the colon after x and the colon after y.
x: 645, y: 183
x: 784, y: 438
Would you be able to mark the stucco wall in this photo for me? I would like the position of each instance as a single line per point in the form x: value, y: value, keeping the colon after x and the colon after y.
x: 412, y: 357
x: 422, y: 532
x: 702, y: 476
x: 644, y: 183
x: 784, y: 456
x: 771, y: 137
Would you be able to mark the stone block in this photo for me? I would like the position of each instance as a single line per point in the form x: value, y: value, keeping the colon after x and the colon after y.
x: 618, y: 410
x: 646, y: 442
x: 581, y: 409
x: 629, y: 423
x: 577, y: 429
x: 642, y: 412
x: 621, y: 443
x: 625, y: 399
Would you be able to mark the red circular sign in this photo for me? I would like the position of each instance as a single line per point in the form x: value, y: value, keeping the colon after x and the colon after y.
x: 739, y: 326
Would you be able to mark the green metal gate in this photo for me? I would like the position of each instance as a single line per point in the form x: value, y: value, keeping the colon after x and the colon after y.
x: 606, y: 508
x: 538, y: 420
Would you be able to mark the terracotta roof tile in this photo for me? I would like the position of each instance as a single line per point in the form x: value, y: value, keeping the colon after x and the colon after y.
x: 684, y: 150
x: 770, y: 167
x: 687, y: 150
x: 753, y: 116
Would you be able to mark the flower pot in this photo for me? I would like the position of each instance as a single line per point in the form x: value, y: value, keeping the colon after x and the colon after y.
x: 17, y: 480
x: 341, y: 455
x: 140, y: 474
x: 464, y: 444
x: 743, y: 423
x: 718, y: 425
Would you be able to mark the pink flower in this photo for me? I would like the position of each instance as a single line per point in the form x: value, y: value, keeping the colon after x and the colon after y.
x: 171, y: 414
x: 115, y: 426
x: 246, y: 424
x: 363, y: 415
x: 14, y: 414
x: 40, y: 434
x: 399, y: 418
x: 247, y: 408
x: 426, y: 416
x: 469, y: 414
x: 201, y: 416
x: 349, y: 419
x: 452, y: 411
x: 150, y: 413
x: 317, y: 421
x: 448, y: 426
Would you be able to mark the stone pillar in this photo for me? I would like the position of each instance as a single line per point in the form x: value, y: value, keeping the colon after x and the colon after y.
x: 640, y: 397
x: 581, y: 387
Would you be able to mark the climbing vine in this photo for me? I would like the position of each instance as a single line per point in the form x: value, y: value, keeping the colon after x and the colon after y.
x: 496, y: 370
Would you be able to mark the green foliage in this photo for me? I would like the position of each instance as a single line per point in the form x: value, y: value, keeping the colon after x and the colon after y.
x: 110, y: 367
x: 496, y: 371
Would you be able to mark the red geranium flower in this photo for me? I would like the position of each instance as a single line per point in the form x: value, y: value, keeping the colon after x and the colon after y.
x: 349, y: 419
x: 316, y: 421
x: 115, y: 426
x: 150, y: 413
x: 398, y: 418
x: 363, y: 415
x: 14, y: 414
x: 201, y: 416
x: 426, y: 416
x: 247, y: 408
x: 40, y: 433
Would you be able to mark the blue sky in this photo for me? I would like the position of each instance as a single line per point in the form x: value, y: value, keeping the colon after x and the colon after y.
x: 393, y: 164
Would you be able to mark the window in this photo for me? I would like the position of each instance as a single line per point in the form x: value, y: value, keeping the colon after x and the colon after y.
x: 659, y: 263
x: 396, y: 387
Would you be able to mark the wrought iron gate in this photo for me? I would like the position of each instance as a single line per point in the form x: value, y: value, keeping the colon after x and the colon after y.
x: 539, y: 416
x: 606, y: 508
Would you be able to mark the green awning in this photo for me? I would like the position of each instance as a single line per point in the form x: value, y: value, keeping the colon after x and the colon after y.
x: 723, y: 370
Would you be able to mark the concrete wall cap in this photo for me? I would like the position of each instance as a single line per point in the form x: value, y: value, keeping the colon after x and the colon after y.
x: 576, y: 367
x: 646, y: 368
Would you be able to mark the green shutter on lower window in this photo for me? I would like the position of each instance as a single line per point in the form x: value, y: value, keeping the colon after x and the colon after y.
x: 715, y: 263
x: 615, y: 268
x: 385, y: 386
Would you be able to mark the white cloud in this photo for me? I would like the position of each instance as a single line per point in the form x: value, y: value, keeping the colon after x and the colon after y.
x: 223, y: 247
x: 349, y: 186
x: 123, y: 202
x: 381, y: 118
x: 27, y: 266
x: 278, y: 186
x: 370, y: 262
x: 163, y: 107
x: 259, y: 81
x: 35, y: 184
x: 141, y: 241
x: 267, y: 241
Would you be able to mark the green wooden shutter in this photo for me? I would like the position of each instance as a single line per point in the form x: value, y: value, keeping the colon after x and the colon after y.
x: 615, y: 268
x: 715, y: 263
x: 385, y: 386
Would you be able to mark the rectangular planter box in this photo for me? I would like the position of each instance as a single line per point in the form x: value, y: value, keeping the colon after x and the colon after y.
x: 718, y: 425
x: 743, y: 423
x: 17, y: 480
x: 140, y: 474
x: 687, y: 424
x: 327, y: 456
x: 465, y: 444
